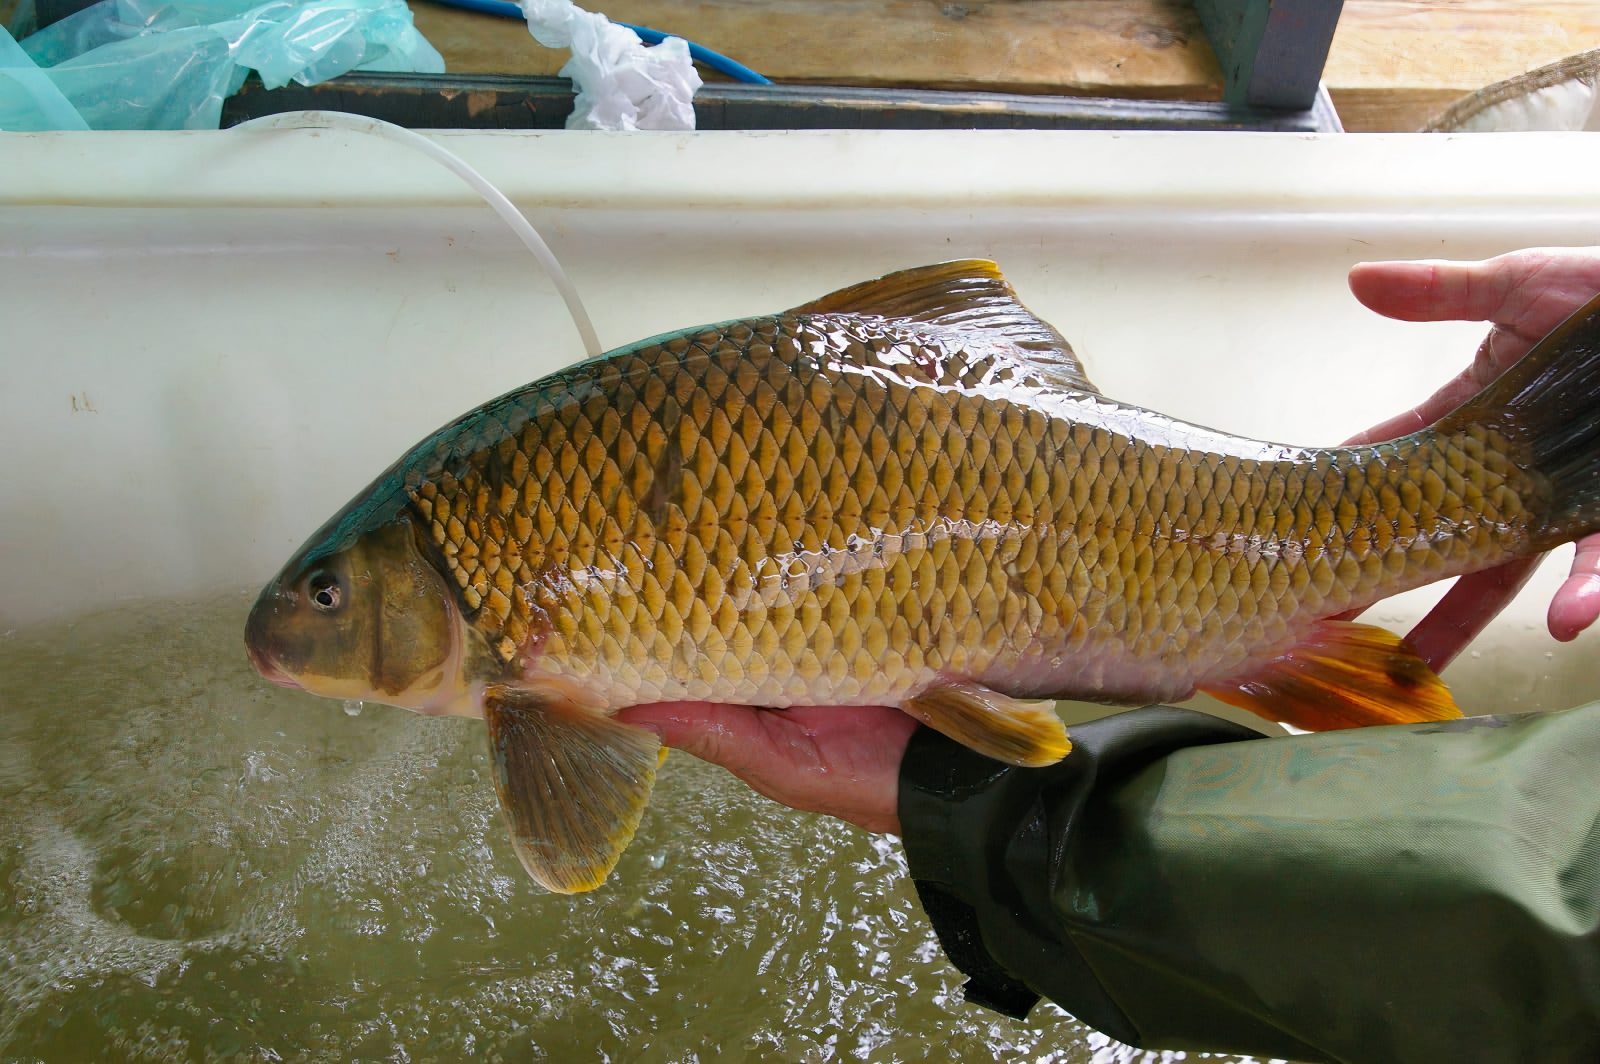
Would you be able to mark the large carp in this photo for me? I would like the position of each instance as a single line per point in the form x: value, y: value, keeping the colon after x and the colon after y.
x: 906, y: 493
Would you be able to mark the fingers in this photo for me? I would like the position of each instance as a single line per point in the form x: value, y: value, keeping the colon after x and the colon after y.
x: 1429, y: 291
x: 1577, y: 602
x: 1424, y: 291
x: 1466, y: 610
x: 840, y: 760
x: 731, y: 736
x: 1401, y: 424
x: 1475, y: 600
x: 1488, y: 364
x: 1527, y: 292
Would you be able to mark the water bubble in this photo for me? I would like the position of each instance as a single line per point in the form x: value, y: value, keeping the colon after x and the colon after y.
x: 353, y: 706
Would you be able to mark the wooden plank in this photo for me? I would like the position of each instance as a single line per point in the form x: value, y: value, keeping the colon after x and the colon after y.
x: 1464, y: 44
x: 1390, y: 110
x: 1152, y: 49
x: 1396, y: 63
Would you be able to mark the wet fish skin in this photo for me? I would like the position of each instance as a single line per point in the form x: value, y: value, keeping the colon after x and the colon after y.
x: 906, y: 493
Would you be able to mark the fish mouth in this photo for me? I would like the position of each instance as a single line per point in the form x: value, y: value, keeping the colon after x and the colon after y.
x: 270, y: 670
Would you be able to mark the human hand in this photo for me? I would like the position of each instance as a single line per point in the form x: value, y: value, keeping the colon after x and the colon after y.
x: 840, y: 760
x: 1524, y: 295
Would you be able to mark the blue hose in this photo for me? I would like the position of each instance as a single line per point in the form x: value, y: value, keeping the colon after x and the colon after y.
x: 715, y: 60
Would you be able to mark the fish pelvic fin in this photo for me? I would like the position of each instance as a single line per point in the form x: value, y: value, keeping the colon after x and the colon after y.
x: 970, y: 295
x: 572, y: 784
x: 1546, y: 402
x: 1344, y: 675
x: 993, y: 724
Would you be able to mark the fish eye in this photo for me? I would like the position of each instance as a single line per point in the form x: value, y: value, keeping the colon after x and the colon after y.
x: 325, y: 591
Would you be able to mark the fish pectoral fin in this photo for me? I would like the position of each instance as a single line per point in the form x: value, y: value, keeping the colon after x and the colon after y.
x: 1344, y: 675
x: 967, y: 294
x: 992, y: 724
x: 572, y: 784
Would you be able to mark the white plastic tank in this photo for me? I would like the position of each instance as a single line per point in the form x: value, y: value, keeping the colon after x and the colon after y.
x: 210, y: 341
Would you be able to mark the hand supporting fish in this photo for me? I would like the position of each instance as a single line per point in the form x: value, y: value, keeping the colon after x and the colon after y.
x: 906, y: 492
x: 1523, y: 294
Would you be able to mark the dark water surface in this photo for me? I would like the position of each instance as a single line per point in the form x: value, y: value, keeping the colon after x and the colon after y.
x: 196, y: 865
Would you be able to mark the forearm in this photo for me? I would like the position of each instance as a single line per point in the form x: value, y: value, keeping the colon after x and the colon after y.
x: 1397, y: 894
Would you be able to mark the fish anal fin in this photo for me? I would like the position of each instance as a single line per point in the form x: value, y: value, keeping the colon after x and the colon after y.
x: 992, y: 724
x: 1343, y: 675
x: 970, y: 295
x: 573, y: 785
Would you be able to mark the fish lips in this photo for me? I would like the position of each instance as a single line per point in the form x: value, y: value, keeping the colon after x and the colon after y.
x: 255, y: 639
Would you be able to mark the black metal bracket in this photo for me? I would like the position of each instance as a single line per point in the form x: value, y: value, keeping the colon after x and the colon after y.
x: 1272, y: 52
x: 490, y: 101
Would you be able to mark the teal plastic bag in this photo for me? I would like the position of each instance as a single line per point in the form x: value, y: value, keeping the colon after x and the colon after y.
x: 310, y: 43
x: 174, y: 80
x: 29, y: 99
x: 169, y: 64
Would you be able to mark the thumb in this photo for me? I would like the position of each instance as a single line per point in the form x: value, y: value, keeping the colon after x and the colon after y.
x: 1420, y: 291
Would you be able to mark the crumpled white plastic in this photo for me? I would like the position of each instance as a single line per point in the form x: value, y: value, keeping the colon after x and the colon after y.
x: 621, y: 83
x: 1569, y: 105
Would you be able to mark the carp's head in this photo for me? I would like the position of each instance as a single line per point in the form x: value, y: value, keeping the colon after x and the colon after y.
x: 363, y: 615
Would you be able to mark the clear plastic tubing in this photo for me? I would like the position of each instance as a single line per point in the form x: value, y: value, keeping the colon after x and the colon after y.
x: 449, y: 160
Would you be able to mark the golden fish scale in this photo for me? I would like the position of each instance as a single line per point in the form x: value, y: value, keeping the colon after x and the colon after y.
x: 833, y: 508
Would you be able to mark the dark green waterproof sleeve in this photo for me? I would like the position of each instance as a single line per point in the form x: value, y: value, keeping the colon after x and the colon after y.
x: 1416, y: 893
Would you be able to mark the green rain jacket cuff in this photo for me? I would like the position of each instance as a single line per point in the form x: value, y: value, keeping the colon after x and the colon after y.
x: 980, y: 835
x: 1411, y: 893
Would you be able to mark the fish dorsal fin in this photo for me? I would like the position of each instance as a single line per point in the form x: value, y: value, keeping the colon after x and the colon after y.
x: 969, y: 295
